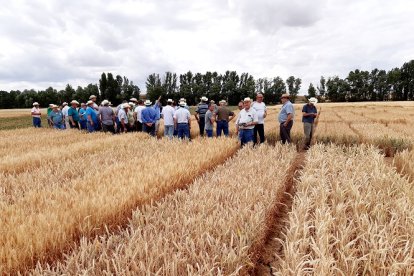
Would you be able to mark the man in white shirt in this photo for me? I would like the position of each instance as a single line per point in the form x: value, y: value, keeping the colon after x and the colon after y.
x: 261, y: 111
x: 137, y: 115
x: 36, y: 114
x: 246, y: 121
x: 123, y: 117
x: 182, y: 121
x: 65, y: 111
x: 168, y: 115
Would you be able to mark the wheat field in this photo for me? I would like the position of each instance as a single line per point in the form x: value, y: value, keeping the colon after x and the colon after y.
x: 95, y: 204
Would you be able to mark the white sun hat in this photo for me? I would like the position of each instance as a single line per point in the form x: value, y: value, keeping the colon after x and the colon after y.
x: 105, y: 102
x: 35, y: 103
x: 183, y: 100
x: 247, y: 99
x: 313, y: 100
x: 133, y: 100
x: 182, y: 103
x: 204, y: 99
x: 92, y: 97
x: 65, y: 103
x: 148, y: 102
x: 125, y: 105
x: 222, y: 101
x: 169, y: 101
x: 89, y: 102
x: 131, y: 103
x: 74, y: 102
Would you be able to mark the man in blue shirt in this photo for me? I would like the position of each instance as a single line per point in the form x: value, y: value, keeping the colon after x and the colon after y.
x: 309, y: 113
x: 149, y: 118
x: 286, y: 116
x: 56, y: 118
x: 91, y: 117
x: 82, y: 116
x: 200, y: 114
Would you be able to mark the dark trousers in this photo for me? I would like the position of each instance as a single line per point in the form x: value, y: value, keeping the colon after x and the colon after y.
x: 201, y: 125
x: 108, y: 128
x: 74, y: 126
x: 138, y: 126
x: 149, y: 129
x: 259, y: 129
x: 245, y: 136
x: 37, y: 122
x: 183, y: 131
x: 285, y: 132
x: 82, y: 125
x: 222, y: 126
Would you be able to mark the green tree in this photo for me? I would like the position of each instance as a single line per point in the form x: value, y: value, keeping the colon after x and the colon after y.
x: 293, y: 85
x: 311, y: 91
x: 322, y: 87
x: 154, y: 87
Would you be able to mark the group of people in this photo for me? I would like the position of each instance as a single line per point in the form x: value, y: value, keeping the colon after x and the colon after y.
x: 144, y: 116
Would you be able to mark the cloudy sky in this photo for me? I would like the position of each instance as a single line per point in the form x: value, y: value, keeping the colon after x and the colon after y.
x: 51, y: 43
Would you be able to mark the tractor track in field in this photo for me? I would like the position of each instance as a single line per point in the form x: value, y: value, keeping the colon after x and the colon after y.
x: 277, y: 221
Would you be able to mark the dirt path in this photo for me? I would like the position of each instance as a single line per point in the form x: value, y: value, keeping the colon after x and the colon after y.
x: 277, y: 222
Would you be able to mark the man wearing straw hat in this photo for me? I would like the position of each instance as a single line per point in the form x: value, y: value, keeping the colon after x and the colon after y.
x: 261, y: 110
x: 123, y: 117
x: 182, y: 121
x: 36, y: 115
x: 168, y: 115
x: 149, y: 118
x: 246, y: 121
x: 286, y: 116
x: 107, y: 116
x: 73, y: 115
x: 65, y: 110
x: 309, y: 113
x: 56, y: 117
x: 223, y: 116
x: 200, y: 114
x: 91, y: 117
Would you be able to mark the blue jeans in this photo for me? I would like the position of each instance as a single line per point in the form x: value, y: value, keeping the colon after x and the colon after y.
x: 222, y: 126
x: 83, y: 124
x: 209, y: 133
x: 169, y: 131
x: 90, y: 127
x: 183, y: 131
x: 246, y: 136
x: 59, y: 126
x: 37, y: 122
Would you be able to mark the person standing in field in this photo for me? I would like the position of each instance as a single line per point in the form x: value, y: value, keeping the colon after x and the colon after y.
x: 73, y: 115
x: 168, y: 115
x: 91, y: 117
x: 246, y: 121
x: 131, y: 118
x: 261, y: 111
x: 107, y: 116
x: 123, y: 118
x: 82, y: 117
x: 137, y: 115
x: 57, y: 118
x: 309, y: 113
x: 65, y: 110
x: 209, y: 120
x: 36, y: 115
x: 157, y: 107
x: 182, y: 121
x: 149, y: 118
x: 223, y: 117
x: 200, y: 114
x: 49, y: 109
x: 286, y: 116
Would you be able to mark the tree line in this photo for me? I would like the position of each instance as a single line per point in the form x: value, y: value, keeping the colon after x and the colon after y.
x: 377, y: 85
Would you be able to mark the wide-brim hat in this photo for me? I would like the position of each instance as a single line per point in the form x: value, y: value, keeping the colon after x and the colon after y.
x: 247, y: 99
x: 89, y: 102
x: 285, y: 95
x: 35, y: 103
x: 313, y: 100
x: 182, y: 103
x: 133, y: 100
x: 126, y: 105
x: 148, y: 102
x: 74, y: 102
x: 105, y: 102
x: 222, y: 101
x: 204, y: 99
x: 65, y: 103
x: 169, y: 101
x: 92, y: 97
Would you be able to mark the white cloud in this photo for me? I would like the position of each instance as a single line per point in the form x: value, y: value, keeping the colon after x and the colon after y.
x: 51, y: 42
